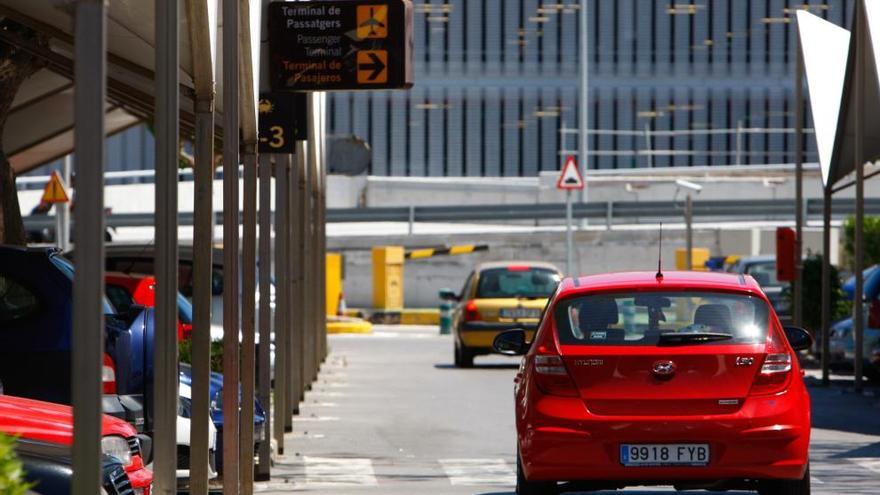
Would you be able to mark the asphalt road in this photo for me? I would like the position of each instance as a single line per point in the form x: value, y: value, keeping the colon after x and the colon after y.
x: 390, y: 415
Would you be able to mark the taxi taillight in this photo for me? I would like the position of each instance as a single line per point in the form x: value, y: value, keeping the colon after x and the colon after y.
x: 471, y: 313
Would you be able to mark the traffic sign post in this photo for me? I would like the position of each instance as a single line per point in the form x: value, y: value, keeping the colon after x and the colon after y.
x: 54, y: 193
x: 570, y: 179
x: 340, y: 45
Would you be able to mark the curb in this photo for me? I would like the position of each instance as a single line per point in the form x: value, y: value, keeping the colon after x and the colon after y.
x: 343, y: 324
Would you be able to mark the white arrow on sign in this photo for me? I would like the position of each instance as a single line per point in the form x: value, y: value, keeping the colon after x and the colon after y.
x: 570, y: 178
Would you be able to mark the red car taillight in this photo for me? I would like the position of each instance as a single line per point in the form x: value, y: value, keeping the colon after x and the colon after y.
x: 551, y: 376
x: 470, y: 311
x: 108, y: 375
x: 776, y: 369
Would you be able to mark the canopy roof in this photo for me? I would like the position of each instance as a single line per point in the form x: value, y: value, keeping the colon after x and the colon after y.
x: 40, y: 125
x: 829, y: 55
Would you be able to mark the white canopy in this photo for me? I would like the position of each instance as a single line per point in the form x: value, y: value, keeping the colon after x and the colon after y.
x: 40, y: 125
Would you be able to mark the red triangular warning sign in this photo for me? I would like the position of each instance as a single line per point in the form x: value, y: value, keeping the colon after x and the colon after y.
x: 570, y: 178
x: 54, y: 191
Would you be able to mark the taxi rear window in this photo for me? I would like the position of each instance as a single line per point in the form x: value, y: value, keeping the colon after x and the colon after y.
x: 517, y: 281
x: 652, y: 318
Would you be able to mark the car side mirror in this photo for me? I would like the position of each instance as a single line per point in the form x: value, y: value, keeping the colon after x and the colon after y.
x: 511, y: 342
x: 798, y: 338
x: 448, y: 295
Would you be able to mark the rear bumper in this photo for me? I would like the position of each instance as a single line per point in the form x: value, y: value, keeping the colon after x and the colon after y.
x: 768, y: 438
x: 481, y: 334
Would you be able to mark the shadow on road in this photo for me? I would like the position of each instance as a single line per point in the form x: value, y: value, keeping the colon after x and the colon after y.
x: 838, y: 407
x: 492, y: 366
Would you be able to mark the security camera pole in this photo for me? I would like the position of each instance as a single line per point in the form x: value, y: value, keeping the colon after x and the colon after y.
x: 689, y: 218
x: 570, y: 179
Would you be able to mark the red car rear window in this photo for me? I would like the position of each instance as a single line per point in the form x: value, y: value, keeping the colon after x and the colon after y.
x: 641, y: 318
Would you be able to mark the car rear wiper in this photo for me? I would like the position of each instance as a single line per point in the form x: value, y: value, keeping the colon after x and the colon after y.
x: 672, y: 338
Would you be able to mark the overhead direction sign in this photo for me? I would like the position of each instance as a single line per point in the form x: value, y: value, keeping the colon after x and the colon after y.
x: 54, y: 191
x: 326, y: 45
x: 282, y: 122
x: 570, y: 177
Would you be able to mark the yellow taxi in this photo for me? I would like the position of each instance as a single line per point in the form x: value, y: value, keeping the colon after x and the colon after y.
x: 499, y: 296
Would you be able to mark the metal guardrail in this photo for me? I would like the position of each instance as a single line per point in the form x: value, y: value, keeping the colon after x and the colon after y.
x: 611, y: 212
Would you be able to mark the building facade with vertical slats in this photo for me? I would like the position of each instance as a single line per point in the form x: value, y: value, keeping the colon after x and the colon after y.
x: 498, y: 80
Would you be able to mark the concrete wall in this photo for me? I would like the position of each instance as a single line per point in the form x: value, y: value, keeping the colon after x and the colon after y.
x: 596, y: 252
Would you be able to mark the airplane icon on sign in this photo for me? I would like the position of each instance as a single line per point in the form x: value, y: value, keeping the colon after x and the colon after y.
x: 372, y: 21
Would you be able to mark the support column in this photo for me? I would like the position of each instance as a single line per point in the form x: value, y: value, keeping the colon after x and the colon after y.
x: 826, y: 285
x: 231, y: 467
x: 165, y: 371
x: 309, y: 260
x: 279, y: 404
x: 300, y: 310
x: 265, y: 313
x: 203, y: 247
x: 859, y: 156
x: 248, y: 317
x: 90, y: 82
x: 797, y: 283
x: 295, y: 394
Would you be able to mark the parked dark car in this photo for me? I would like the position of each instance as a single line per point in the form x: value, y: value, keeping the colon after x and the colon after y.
x: 763, y: 270
x: 50, y: 468
x: 216, y: 397
x: 842, y: 341
x: 36, y: 301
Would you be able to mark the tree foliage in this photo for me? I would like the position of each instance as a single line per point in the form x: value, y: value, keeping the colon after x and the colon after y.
x: 870, y: 236
x: 12, y: 480
x: 811, y: 295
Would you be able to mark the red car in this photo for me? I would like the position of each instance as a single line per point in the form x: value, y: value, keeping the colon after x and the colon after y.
x: 53, y: 423
x: 683, y: 378
x: 127, y: 289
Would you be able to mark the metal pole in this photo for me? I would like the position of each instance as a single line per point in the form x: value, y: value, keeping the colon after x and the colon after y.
x: 412, y: 218
x: 797, y: 283
x: 301, y: 317
x: 649, y: 146
x: 322, y: 222
x: 861, y: 67
x: 826, y: 283
x: 231, y: 299
x: 265, y: 313
x: 165, y: 338
x: 63, y: 209
x: 569, y: 240
x: 279, y: 404
x: 294, y: 376
x: 688, y: 222
x: 90, y: 82
x: 584, y: 93
x: 308, y: 276
x: 739, y: 142
x: 203, y: 248
x: 248, y: 316
x: 297, y: 335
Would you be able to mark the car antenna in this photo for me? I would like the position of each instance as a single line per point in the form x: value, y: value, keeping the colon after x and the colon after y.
x: 659, y: 275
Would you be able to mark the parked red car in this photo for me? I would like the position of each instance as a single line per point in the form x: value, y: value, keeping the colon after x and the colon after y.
x: 684, y: 379
x: 127, y: 289
x: 53, y: 423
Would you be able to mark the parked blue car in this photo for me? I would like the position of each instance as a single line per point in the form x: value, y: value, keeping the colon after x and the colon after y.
x: 216, y: 397
x: 842, y: 341
x: 36, y: 301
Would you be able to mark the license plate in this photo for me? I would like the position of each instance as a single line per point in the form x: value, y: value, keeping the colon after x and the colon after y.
x: 664, y: 454
x: 517, y: 313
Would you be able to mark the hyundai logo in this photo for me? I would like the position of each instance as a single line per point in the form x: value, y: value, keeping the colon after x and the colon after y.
x: 664, y: 369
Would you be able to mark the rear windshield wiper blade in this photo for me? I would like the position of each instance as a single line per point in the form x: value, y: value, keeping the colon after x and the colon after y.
x: 671, y: 338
